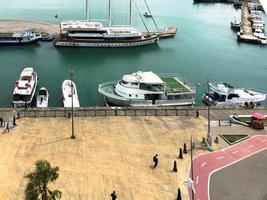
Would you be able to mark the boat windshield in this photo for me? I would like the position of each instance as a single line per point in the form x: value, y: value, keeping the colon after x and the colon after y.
x: 24, y: 98
x: 26, y: 78
x: 42, y: 92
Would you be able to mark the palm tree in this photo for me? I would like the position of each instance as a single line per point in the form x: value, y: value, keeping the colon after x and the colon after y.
x: 37, y: 187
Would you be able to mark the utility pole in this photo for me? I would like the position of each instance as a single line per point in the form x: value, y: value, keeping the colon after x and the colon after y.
x: 71, y: 73
x: 209, y: 138
x: 192, y: 167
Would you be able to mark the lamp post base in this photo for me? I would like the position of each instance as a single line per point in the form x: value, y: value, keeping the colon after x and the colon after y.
x: 73, y: 137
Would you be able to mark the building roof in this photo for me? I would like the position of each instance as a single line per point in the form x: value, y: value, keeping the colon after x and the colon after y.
x: 143, y: 77
x: 26, y: 72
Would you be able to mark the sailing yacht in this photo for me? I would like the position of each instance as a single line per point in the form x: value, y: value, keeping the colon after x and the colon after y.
x: 95, y: 34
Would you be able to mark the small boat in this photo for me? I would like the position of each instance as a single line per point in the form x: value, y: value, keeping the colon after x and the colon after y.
x: 237, y: 4
x: 225, y: 95
x: 25, y: 88
x: 148, y: 89
x: 147, y: 14
x: 26, y: 37
x: 42, y: 98
x: 69, y: 91
x: 259, y: 34
x: 255, y: 120
x: 47, y: 38
x: 235, y: 25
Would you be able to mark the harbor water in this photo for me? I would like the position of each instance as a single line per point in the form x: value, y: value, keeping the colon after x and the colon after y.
x: 204, y: 47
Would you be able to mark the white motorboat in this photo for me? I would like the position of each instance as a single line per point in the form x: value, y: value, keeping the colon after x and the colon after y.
x: 25, y: 88
x: 148, y: 89
x: 147, y: 14
x: 225, y: 95
x: 69, y: 90
x: 259, y: 34
x: 42, y: 98
x: 27, y: 36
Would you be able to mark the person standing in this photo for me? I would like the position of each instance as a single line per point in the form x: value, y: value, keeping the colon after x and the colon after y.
x: 155, y: 160
x: 113, y: 195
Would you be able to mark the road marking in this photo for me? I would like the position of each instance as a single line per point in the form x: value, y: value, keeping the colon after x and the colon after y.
x: 197, y: 180
x: 203, y: 164
x: 219, y: 158
x: 264, y: 140
x: 234, y: 152
x: 252, y: 145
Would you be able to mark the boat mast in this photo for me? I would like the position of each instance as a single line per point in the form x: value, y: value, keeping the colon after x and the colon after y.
x: 109, y: 10
x: 151, y: 15
x: 130, y: 17
x: 86, y: 10
x: 140, y: 15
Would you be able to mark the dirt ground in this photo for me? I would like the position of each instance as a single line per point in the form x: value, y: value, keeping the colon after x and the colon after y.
x: 109, y: 153
x: 17, y: 26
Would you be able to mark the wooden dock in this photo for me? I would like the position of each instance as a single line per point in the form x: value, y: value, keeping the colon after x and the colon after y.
x: 168, y: 32
x: 246, y: 33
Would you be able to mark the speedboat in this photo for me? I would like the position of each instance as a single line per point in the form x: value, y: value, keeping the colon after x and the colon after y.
x: 235, y: 25
x: 225, y: 95
x: 147, y: 14
x: 42, y: 98
x: 148, y: 89
x: 27, y: 36
x: 25, y: 88
x: 70, y: 94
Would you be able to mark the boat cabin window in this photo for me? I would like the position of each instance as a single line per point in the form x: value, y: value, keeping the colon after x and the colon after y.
x: 156, y: 88
x: 26, y: 78
x: 230, y: 96
x: 124, y: 82
x: 219, y: 97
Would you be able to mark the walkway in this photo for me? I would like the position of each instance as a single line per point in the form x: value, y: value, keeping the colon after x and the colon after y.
x: 205, y: 165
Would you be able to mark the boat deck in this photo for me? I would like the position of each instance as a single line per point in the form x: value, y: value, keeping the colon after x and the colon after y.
x: 173, y: 85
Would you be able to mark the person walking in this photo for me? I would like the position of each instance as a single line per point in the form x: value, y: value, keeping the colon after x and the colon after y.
x: 113, y: 195
x: 155, y: 160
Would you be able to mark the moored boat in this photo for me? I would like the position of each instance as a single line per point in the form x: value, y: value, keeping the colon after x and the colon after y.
x: 42, y: 98
x: 25, y: 87
x: 148, y: 89
x: 147, y: 14
x: 225, y: 95
x: 26, y: 37
x: 69, y: 91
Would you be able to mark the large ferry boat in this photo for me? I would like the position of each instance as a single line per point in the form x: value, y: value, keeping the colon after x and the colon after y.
x: 225, y: 95
x: 27, y: 36
x: 149, y: 89
x: 25, y: 88
x: 94, y: 34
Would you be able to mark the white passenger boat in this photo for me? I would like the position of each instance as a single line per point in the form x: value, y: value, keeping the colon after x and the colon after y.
x: 42, y: 98
x: 69, y: 88
x: 148, y: 89
x: 28, y: 36
x: 225, y: 95
x: 25, y: 88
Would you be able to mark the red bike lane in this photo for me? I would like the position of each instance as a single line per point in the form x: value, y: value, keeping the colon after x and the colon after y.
x: 206, y: 164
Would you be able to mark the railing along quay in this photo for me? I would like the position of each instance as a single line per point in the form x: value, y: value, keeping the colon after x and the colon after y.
x: 216, y: 113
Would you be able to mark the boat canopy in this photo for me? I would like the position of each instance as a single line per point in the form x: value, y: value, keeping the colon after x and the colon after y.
x: 222, y: 88
x: 143, y: 77
x: 27, y: 72
x: 258, y: 115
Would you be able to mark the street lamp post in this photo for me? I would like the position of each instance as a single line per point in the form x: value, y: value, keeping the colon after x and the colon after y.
x: 71, y: 73
x: 209, y: 138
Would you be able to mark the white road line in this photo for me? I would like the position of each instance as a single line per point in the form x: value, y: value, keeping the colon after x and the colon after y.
x: 197, y: 180
x: 234, y: 152
x: 203, y: 164
x: 219, y: 158
x: 264, y: 140
x: 252, y: 145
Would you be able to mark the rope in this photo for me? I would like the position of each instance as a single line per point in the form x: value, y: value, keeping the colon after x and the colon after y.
x: 140, y: 15
x: 151, y: 15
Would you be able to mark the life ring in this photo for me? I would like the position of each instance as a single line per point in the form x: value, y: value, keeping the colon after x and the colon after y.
x: 246, y: 104
x: 252, y: 104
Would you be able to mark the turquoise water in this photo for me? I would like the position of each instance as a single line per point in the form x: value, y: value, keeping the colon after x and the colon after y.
x: 204, y: 47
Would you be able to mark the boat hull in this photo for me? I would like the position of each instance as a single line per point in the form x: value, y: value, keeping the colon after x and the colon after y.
x: 17, y: 42
x: 106, y: 43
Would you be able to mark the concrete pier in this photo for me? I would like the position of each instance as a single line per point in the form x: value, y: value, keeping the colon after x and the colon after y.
x: 246, y: 33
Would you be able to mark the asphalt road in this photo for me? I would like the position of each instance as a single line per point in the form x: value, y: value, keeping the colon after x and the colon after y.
x: 245, y: 180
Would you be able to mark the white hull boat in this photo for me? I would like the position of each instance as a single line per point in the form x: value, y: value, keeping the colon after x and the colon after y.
x: 25, y: 88
x: 69, y: 88
x: 225, y: 95
x: 148, y: 89
x: 42, y: 98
